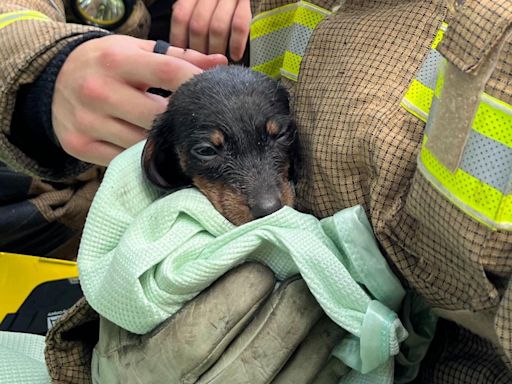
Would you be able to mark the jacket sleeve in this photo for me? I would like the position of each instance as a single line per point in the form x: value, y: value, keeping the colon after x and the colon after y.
x: 32, y: 32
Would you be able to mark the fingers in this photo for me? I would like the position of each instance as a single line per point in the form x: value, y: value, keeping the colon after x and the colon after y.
x: 161, y: 71
x: 119, y: 132
x: 119, y: 100
x: 240, y: 27
x: 258, y: 354
x: 166, y: 71
x: 95, y: 152
x: 181, y: 14
x: 311, y: 356
x: 220, y: 26
x: 206, y: 326
x: 200, y: 25
x: 332, y: 372
x: 192, y: 56
x: 197, y: 58
x: 209, y: 26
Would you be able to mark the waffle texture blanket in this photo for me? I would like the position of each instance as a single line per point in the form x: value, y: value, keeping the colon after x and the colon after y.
x: 143, y: 256
x: 22, y: 359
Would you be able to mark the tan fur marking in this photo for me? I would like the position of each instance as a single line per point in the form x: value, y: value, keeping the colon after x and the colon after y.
x: 272, y: 128
x: 217, y: 138
x: 287, y: 194
x: 183, y: 159
x: 229, y: 202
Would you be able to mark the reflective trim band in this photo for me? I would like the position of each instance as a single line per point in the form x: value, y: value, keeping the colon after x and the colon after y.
x: 11, y: 17
x: 418, y: 100
x: 494, y: 120
x: 265, y: 49
x: 427, y: 75
x: 439, y: 35
x: 271, y: 21
x: 279, y: 38
x: 481, y: 186
x: 272, y: 67
x: 498, y: 161
x: 477, y: 199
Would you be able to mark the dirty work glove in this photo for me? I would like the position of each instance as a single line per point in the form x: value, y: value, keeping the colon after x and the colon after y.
x: 239, y: 330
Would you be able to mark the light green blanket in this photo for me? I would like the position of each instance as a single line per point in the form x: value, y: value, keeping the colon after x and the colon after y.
x: 143, y: 257
x: 22, y: 359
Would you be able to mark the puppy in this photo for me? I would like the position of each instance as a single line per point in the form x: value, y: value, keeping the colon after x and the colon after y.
x: 228, y: 132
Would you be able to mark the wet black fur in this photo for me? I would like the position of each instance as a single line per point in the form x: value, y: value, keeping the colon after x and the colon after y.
x: 238, y: 102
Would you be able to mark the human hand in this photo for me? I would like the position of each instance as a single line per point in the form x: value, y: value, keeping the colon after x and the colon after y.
x: 208, y: 25
x: 237, y: 331
x: 100, y: 105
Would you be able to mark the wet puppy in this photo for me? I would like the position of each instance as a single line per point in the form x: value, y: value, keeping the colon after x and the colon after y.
x: 228, y: 132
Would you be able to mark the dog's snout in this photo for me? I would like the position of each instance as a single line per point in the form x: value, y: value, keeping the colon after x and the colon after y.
x: 266, y: 205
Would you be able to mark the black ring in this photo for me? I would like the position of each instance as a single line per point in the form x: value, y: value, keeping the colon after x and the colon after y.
x: 161, y: 47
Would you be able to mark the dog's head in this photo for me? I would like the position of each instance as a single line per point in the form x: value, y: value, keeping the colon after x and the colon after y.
x: 227, y: 131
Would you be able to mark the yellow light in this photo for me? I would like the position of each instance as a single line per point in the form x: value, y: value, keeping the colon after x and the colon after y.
x: 101, y: 12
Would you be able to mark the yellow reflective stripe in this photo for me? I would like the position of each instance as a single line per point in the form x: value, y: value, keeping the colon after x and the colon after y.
x: 504, y: 214
x: 309, y: 15
x: 271, y: 68
x: 291, y: 65
x: 11, y: 17
x: 479, y: 200
x: 494, y: 123
x: 271, y: 21
x: 439, y: 35
x: 301, y: 12
x: 418, y: 100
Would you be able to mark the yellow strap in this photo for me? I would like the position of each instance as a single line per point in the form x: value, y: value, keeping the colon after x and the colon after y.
x: 11, y: 17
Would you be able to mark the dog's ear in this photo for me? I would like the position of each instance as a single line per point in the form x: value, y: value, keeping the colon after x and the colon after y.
x: 295, y: 156
x: 161, y: 166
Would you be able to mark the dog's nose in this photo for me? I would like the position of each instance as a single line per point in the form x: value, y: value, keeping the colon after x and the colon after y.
x: 265, y: 206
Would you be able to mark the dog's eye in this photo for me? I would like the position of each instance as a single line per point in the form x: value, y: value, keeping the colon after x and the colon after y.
x: 204, y: 152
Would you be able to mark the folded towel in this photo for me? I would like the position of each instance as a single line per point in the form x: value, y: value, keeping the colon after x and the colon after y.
x: 22, y: 359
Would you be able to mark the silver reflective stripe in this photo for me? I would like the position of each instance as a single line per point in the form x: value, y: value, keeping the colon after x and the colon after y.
x: 294, y: 39
x: 300, y: 39
x: 488, y: 161
x: 4, y: 19
x: 269, y: 46
x: 427, y: 74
